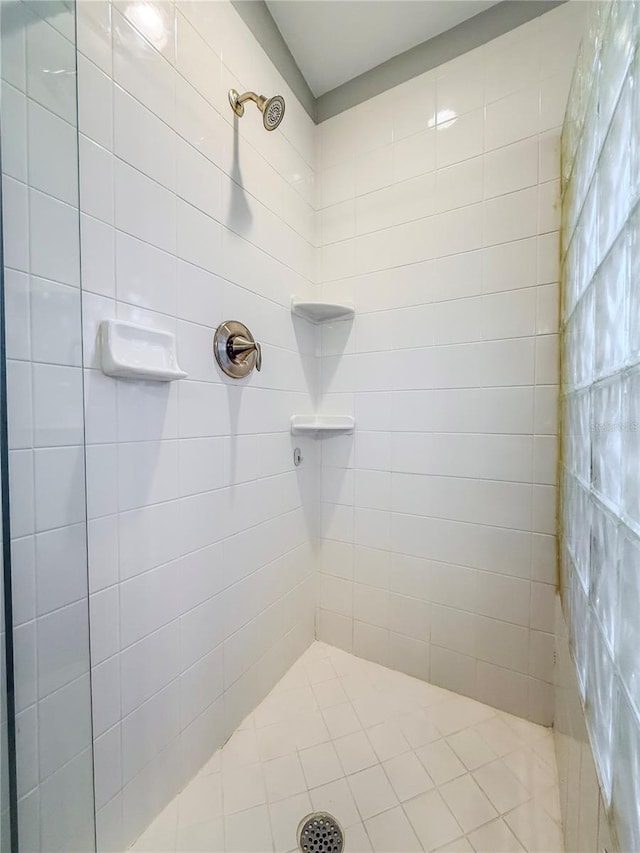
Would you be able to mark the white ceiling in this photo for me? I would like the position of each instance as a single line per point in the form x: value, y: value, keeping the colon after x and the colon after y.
x: 334, y: 41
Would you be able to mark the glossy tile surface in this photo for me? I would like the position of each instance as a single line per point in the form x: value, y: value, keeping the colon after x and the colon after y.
x: 403, y: 765
x: 438, y: 514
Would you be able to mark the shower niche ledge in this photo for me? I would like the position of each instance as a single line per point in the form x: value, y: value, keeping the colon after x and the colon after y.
x: 321, y: 312
x: 319, y: 425
x: 131, y: 351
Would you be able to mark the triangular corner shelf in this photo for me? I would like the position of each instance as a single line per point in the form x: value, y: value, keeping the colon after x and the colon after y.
x: 317, y: 425
x: 321, y: 312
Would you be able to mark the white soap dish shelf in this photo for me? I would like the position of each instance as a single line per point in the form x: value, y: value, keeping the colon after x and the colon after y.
x: 318, y: 425
x: 321, y: 312
x: 131, y: 351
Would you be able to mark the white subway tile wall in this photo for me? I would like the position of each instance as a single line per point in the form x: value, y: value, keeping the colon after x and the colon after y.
x: 601, y: 178
x: 201, y: 530
x: 440, y: 218
x: 45, y: 409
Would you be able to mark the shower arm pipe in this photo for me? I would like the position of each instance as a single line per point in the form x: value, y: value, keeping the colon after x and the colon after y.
x: 239, y: 101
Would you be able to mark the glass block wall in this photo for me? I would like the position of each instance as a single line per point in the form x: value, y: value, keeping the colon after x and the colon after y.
x: 601, y: 399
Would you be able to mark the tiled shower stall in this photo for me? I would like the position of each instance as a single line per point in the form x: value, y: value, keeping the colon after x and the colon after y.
x: 170, y: 567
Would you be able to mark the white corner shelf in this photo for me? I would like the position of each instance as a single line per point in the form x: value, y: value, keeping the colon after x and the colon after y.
x: 321, y: 312
x: 316, y: 425
x: 130, y: 351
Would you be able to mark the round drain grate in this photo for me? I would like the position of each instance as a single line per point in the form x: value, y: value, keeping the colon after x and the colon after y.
x: 320, y: 833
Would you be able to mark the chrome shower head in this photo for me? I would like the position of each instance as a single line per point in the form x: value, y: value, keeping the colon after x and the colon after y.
x: 273, y: 112
x: 272, y: 109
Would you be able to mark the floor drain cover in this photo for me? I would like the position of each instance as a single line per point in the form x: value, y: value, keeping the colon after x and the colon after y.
x: 320, y: 833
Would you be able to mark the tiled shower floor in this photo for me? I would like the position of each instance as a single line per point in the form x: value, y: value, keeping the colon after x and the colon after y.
x: 403, y: 765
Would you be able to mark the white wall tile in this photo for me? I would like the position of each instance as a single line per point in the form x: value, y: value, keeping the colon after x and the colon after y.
x: 53, y: 239
x: 460, y: 138
x: 451, y: 302
x: 143, y: 208
x: 50, y: 138
x: 141, y: 70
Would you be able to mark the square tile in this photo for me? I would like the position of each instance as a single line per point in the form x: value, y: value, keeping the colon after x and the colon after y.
x: 320, y: 671
x: 468, y: 803
x: 392, y: 831
x: 501, y: 786
x: 500, y: 737
x: 387, y: 740
x: 440, y: 761
x: 242, y: 788
x: 337, y: 799
x: 535, y: 830
x: 417, y: 728
x: 341, y: 720
x: 432, y: 821
x: 471, y: 748
x: 407, y: 776
x: 330, y: 693
x: 355, y: 752
x: 530, y: 770
x: 241, y: 749
x: 495, y: 837
x: 372, y: 709
x: 285, y: 817
x: 275, y: 741
x: 283, y: 777
x: 248, y: 831
x: 207, y: 836
x: 358, y: 840
x: 459, y: 713
x: 309, y: 730
x: 372, y: 792
x: 320, y: 765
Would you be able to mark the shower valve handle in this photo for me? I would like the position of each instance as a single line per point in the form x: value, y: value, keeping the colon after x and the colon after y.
x: 240, y: 347
x: 236, y: 350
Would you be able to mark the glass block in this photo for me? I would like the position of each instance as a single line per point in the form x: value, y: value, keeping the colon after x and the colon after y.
x: 614, y: 172
x: 633, y: 232
x: 585, y: 338
x: 610, y: 316
x: 566, y: 568
x: 579, y: 615
x: 568, y: 487
x: 606, y: 431
x: 615, y: 56
x: 589, y: 145
x: 604, y: 572
x: 599, y: 704
x: 628, y: 646
x: 569, y: 278
x: 571, y: 349
x: 568, y: 432
x: 631, y: 434
x: 597, y: 14
x: 626, y: 776
x: 582, y: 426
x: 581, y: 533
x: 635, y: 126
x: 573, y: 117
x: 587, y: 247
x: 569, y: 217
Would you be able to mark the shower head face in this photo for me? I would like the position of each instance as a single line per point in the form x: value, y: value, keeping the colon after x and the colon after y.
x: 273, y: 112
